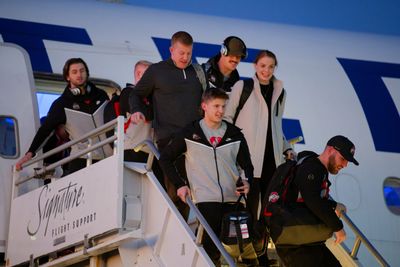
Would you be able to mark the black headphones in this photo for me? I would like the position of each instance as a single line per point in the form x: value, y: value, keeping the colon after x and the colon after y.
x: 225, y: 46
x: 78, y: 91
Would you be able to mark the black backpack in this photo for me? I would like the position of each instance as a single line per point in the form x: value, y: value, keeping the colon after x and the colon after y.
x: 276, y: 196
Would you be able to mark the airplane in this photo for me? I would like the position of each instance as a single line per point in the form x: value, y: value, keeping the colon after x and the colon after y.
x: 338, y: 82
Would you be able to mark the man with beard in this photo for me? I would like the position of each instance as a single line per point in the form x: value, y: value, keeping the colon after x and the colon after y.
x: 311, y: 188
x: 80, y: 95
x: 221, y: 69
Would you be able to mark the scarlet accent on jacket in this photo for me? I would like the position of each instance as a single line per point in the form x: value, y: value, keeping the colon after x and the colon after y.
x: 212, y: 172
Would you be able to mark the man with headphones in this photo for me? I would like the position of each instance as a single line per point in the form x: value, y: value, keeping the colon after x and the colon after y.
x: 221, y: 69
x: 80, y: 95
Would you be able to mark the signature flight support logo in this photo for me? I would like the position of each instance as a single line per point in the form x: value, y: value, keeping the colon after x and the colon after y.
x: 56, y: 206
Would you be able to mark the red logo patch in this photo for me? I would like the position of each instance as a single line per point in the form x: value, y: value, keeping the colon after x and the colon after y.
x: 273, y: 197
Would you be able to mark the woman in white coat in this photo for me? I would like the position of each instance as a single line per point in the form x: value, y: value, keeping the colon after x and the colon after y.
x: 261, y: 121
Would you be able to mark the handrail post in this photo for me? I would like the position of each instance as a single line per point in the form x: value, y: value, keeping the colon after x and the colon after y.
x: 210, y: 232
x: 361, y: 238
x: 115, y: 143
x: 90, y: 154
x: 200, y: 232
x: 203, y: 223
x: 149, y: 162
x: 152, y: 154
x: 356, y: 248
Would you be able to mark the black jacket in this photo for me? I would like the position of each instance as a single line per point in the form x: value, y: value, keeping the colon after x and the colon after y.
x: 87, y: 103
x: 176, y: 96
x: 210, y: 170
x: 214, y: 76
x: 312, y: 182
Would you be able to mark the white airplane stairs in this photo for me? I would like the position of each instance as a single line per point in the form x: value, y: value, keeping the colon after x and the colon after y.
x: 111, y: 213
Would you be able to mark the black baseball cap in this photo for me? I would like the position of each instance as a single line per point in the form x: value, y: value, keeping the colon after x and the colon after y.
x: 345, y: 147
x: 235, y: 46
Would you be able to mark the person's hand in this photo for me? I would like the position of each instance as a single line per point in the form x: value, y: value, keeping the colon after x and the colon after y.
x: 243, y: 189
x: 340, y: 208
x: 28, y: 156
x: 62, y: 133
x: 290, y: 154
x: 182, y: 192
x: 340, y: 236
x: 137, y: 117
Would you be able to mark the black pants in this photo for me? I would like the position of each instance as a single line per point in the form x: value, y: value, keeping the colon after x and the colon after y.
x: 310, y: 256
x: 260, y: 184
x: 213, y: 213
x: 259, y: 188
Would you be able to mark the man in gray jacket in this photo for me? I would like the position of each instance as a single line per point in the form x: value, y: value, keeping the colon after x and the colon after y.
x: 213, y: 150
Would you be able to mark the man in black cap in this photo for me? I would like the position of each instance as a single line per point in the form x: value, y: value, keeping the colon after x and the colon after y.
x: 310, y: 189
x: 221, y: 69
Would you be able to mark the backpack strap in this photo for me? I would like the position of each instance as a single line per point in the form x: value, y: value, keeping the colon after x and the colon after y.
x: 248, y: 85
x: 239, y: 235
x: 280, y: 99
x: 200, y: 75
x: 238, y: 229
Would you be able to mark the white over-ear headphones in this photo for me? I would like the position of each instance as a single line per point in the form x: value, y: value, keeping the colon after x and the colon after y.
x: 224, y: 50
x: 75, y: 91
x: 78, y: 91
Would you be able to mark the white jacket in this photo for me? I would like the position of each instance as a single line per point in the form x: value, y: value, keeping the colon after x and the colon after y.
x: 253, y: 119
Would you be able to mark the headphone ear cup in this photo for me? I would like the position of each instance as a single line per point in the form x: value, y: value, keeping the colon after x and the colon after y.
x: 75, y: 91
x: 224, y: 50
x: 246, y: 54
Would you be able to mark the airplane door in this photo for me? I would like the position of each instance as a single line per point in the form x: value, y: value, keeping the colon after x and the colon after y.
x: 18, y: 121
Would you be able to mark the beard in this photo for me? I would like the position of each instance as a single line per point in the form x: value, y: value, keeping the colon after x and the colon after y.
x: 332, y: 167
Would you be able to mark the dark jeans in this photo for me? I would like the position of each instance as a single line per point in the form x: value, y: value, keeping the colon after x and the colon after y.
x: 213, y: 213
x: 259, y: 187
x: 310, y: 256
x: 260, y: 184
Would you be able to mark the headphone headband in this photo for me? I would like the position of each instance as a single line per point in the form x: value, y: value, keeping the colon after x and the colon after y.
x: 236, y: 48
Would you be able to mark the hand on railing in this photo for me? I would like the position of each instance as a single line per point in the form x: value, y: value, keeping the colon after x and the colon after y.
x: 137, y: 117
x: 340, y: 236
x: 340, y: 208
x: 28, y: 156
x: 182, y: 192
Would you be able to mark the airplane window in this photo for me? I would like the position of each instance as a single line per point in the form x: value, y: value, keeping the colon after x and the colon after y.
x: 8, y: 133
x: 391, y: 191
